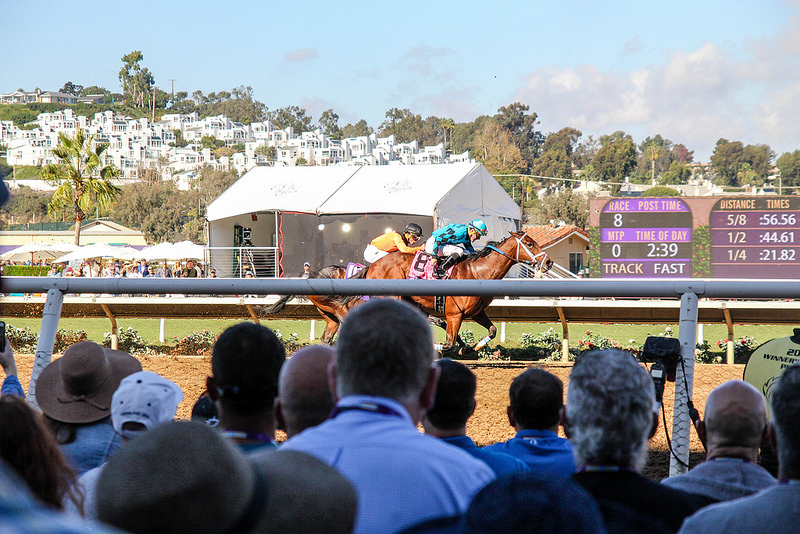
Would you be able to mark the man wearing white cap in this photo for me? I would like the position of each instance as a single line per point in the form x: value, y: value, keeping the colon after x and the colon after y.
x: 142, y: 401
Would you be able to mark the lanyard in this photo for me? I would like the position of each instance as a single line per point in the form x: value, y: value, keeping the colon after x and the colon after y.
x: 373, y: 407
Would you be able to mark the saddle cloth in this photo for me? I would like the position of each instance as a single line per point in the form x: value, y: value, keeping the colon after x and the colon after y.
x: 422, y: 267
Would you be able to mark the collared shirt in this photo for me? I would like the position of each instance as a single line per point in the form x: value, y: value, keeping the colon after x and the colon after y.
x: 775, y: 510
x: 542, y: 450
x: 401, y: 476
x: 723, y: 479
x: 502, y: 464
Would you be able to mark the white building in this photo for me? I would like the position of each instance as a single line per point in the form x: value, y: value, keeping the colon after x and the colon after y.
x: 138, y: 144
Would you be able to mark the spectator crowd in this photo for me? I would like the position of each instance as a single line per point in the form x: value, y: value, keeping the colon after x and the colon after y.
x: 377, y: 443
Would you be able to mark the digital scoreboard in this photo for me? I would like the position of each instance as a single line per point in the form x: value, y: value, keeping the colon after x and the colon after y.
x: 755, y: 237
x: 646, y: 238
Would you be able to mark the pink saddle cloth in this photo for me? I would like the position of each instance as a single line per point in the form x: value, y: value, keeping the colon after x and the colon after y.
x: 422, y: 268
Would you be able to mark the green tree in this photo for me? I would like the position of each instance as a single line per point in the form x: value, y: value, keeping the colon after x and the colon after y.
x: 407, y: 126
x: 616, y: 158
x: 661, y: 191
x: 291, y: 116
x: 565, y: 139
x: 26, y: 204
x: 789, y: 167
x: 678, y: 173
x: 238, y: 105
x: 564, y: 205
x: 448, y: 126
x: 329, y: 122
x: 553, y: 163
x: 136, y: 81
x: 71, y: 89
x: 269, y: 152
x: 726, y: 160
x: 82, y: 177
x: 521, y: 126
x: 494, y: 147
x: 359, y: 129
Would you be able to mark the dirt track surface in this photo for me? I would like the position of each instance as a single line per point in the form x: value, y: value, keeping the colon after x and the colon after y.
x: 488, y: 425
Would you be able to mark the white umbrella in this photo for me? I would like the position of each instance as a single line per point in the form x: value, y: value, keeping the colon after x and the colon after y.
x: 37, y: 251
x: 186, y: 250
x: 99, y: 250
x: 162, y: 251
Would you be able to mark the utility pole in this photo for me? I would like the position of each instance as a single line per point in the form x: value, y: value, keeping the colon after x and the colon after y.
x: 172, y: 98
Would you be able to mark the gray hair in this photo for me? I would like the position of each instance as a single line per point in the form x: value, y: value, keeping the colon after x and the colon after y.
x: 610, y: 406
x: 785, y: 402
x: 385, y: 349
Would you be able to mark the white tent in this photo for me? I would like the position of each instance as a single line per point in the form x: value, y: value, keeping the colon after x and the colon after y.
x: 327, y: 215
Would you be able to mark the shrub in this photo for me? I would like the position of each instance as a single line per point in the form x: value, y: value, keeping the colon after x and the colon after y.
x: 128, y: 339
x: 22, y: 339
x: 290, y: 343
x: 196, y: 342
x: 25, y: 270
x: 66, y: 338
x: 544, y: 345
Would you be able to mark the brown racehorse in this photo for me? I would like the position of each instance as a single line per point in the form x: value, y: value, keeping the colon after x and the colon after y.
x: 492, y: 263
x: 332, y: 307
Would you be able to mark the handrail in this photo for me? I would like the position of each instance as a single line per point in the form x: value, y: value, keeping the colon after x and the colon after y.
x: 687, y: 290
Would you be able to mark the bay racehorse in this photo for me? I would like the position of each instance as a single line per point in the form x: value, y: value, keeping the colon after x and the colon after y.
x: 491, y: 263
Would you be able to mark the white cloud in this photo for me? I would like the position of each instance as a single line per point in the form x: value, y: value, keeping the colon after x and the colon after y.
x: 303, y: 54
x: 693, y: 97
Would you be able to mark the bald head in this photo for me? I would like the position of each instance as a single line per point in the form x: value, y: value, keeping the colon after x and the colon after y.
x: 735, y: 416
x: 304, y: 396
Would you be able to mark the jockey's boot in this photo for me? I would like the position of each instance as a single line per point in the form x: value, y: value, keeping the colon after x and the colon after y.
x: 443, y: 264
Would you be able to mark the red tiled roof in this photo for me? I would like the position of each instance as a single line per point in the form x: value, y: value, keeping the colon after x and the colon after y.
x: 548, y: 234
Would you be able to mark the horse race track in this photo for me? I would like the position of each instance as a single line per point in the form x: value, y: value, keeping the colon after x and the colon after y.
x: 488, y: 425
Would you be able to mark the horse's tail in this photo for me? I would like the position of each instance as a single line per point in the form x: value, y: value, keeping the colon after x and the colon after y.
x: 277, y: 307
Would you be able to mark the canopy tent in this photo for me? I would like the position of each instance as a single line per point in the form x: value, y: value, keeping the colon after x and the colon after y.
x: 327, y: 215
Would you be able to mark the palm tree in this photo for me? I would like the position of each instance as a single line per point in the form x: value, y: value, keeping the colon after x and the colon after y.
x: 82, y: 178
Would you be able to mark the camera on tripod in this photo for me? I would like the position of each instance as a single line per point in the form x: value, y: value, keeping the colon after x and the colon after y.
x: 665, y: 353
x: 247, y: 237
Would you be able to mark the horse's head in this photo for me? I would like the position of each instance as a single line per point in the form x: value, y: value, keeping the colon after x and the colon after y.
x: 530, y: 253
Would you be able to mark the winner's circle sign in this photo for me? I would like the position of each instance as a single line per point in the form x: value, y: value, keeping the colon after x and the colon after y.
x: 768, y: 361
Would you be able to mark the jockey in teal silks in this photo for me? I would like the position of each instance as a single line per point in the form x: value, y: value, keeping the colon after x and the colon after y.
x: 447, y: 244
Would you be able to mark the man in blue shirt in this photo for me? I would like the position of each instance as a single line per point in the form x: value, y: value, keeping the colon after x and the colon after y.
x: 245, y: 364
x: 536, y: 400
x: 455, y: 404
x: 384, y: 381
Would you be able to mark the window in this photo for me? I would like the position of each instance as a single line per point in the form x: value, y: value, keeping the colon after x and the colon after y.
x: 575, y: 262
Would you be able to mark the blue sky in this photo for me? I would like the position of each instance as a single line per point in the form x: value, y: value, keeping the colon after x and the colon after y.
x: 692, y: 71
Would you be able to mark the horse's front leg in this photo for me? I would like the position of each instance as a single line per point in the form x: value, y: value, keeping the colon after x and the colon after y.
x: 453, y: 326
x: 483, y: 320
